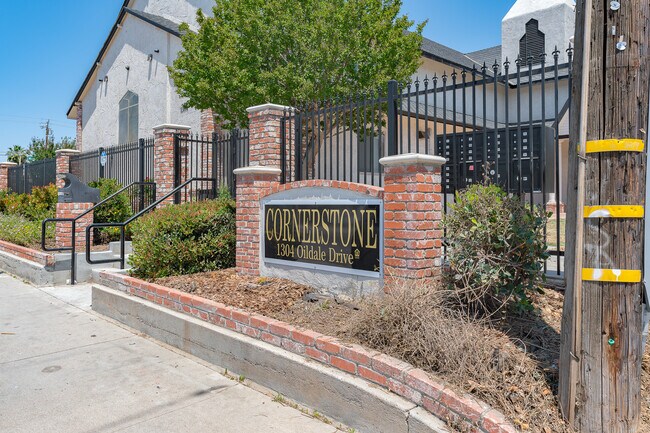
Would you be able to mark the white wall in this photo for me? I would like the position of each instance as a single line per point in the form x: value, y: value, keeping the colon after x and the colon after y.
x: 158, y: 101
x: 179, y: 11
x: 556, y: 20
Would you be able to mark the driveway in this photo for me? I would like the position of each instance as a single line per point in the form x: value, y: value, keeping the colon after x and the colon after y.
x: 65, y: 369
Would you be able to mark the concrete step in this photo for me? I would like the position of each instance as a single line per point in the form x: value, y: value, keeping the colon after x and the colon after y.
x: 115, y: 247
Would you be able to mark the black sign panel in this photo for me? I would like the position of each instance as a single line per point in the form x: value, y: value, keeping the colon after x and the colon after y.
x: 345, y: 236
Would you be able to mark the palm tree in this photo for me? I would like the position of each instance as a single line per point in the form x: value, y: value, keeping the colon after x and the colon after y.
x: 17, y: 154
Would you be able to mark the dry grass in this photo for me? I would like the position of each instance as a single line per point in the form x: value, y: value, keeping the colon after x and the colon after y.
x: 551, y: 233
x: 413, y: 324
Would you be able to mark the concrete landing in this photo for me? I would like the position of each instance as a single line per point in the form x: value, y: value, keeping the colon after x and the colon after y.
x: 65, y: 369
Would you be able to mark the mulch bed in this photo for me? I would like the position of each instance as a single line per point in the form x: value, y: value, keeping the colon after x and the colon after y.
x: 301, y: 306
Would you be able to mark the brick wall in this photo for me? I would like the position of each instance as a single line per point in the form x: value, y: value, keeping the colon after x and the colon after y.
x: 79, y: 142
x: 63, y: 231
x: 164, y: 158
x: 39, y: 257
x: 208, y: 124
x: 412, y: 216
x: 4, y: 174
x: 382, y: 370
x: 63, y: 164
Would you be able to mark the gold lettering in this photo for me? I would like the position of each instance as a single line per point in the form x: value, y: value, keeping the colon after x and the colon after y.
x: 344, y: 229
x: 286, y: 231
x: 334, y: 213
x: 296, y: 225
x: 326, y: 227
x: 315, y: 222
x: 305, y: 226
x: 277, y: 224
x: 269, y: 233
x: 358, y: 230
x: 372, y: 217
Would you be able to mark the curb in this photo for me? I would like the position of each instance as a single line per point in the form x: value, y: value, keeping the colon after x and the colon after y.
x: 386, y: 372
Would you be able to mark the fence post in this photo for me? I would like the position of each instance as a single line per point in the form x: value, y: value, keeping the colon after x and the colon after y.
x: 141, y: 172
x: 297, y: 148
x: 4, y: 174
x: 214, y: 169
x: 101, y: 166
x: 392, y: 117
x: 233, y: 161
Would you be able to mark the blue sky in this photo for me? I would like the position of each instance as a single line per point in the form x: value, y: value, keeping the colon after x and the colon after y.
x: 47, y: 48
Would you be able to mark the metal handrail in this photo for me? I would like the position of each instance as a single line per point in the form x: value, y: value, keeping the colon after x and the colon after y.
x: 73, y: 247
x: 122, y: 225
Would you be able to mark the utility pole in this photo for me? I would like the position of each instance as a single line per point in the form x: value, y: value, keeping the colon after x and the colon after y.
x: 601, y: 349
x: 46, y: 126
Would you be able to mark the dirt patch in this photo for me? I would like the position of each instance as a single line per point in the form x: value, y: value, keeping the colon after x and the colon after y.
x: 513, y: 366
x: 267, y: 296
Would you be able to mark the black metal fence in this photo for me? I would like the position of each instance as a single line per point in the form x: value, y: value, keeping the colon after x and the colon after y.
x: 507, y: 122
x: 127, y: 163
x: 23, y: 178
x: 214, y: 156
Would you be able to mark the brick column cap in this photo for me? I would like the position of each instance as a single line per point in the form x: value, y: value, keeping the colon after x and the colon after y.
x: 257, y: 169
x: 7, y: 164
x: 412, y: 159
x: 171, y: 126
x: 269, y: 106
x: 67, y: 151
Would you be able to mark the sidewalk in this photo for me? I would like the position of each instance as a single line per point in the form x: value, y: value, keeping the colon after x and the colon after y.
x: 65, y: 369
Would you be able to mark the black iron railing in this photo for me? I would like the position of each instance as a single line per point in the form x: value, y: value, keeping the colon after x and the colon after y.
x: 122, y: 225
x: 141, y: 186
x: 127, y: 163
x: 507, y: 122
x: 25, y: 177
x: 209, y: 156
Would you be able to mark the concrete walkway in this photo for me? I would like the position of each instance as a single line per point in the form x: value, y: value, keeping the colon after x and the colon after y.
x: 65, y: 369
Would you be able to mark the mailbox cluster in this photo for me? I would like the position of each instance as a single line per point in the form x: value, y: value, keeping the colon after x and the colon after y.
x: 465, y: 161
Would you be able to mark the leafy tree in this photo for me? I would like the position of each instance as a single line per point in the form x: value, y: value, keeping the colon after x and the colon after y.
x: 256, y: 51
x: 17, y: 154
x: 39, y: 149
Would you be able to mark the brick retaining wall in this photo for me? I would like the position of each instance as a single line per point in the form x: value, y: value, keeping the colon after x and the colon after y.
x: 387, y: 372
x: 39, y: 257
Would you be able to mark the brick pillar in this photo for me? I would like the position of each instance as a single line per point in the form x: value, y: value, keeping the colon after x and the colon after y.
x: 255, y: 181
x: 63, y: 231
x: 63, y: 164
x: 163, y: 154
x: 4, y: 174
x: 412, y: 216
x: 79, y: 138
x: 208, y: 125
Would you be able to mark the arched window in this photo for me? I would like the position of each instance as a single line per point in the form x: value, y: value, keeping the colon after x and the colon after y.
x: 128, y: 119
x: 532, y: 44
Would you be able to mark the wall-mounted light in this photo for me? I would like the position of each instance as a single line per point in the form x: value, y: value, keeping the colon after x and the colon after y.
x: 156, y: 51
x: 106, y: 79
x: 149, y: 57
x: 127, y: 68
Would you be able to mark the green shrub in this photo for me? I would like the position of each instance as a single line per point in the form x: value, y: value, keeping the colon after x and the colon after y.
x: 22, y: 231
x: 117, y: 210
x: 496, y: 248
x: 185, y: 239
x: 37, y: 206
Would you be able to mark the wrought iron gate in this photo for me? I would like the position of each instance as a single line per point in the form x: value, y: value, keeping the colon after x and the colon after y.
x: 214, y: 156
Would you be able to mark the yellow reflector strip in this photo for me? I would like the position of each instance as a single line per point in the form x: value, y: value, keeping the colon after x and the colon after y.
x: 616, y: 211
x: 611, y: 275
x: 623, y: 145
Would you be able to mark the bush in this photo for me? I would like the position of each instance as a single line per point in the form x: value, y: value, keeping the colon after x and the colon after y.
x: 184, y: 239
x: 496, y: 248
x: 117, y: 210
x: 37, y: 206
x: 22, y: 231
